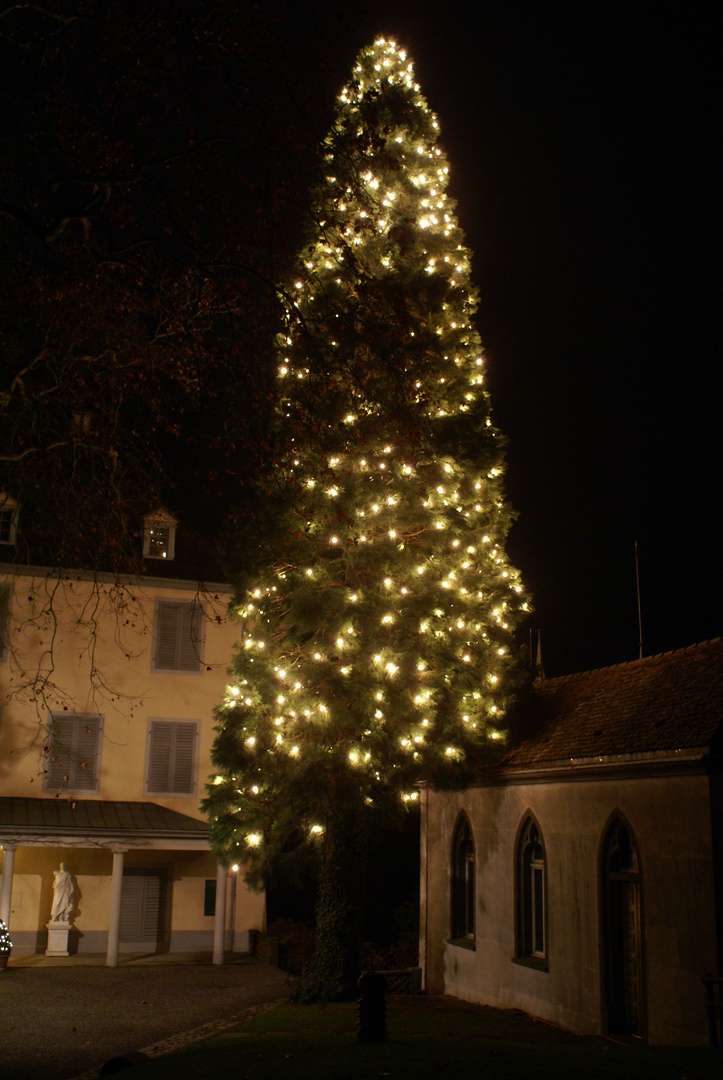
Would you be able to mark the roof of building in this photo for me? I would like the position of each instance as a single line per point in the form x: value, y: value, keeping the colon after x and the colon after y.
x: 100, y: 817
x: 195, y: 558
x: 669, y: 702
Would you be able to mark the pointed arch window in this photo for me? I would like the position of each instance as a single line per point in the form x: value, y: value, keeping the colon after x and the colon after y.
x: 463, y: 884
x: 622, y: 931
x: 531, y: 896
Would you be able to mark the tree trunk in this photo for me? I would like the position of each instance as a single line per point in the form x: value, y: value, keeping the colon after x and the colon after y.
x: 334, y: 967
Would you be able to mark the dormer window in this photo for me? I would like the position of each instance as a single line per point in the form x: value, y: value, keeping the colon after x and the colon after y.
x: 159, y: 536
x: 8, y: 519
x: 158, y: 542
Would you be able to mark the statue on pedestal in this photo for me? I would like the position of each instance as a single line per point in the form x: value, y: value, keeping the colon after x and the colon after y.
x: 59, y: 926
x: 62, y: 895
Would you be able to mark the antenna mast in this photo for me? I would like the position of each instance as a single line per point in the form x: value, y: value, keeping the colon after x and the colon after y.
x: 640, y: 616
x: 539, y: 667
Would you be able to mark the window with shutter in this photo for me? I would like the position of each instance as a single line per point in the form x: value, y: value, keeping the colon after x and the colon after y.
x: 5, y: 596
x: 171, y: 757
x: 8, y: 518
x: 73, y: 752
x: 178, y: 639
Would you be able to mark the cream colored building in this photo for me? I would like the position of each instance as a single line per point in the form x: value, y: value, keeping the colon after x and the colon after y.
x: 108, y: 688
x: 582, y: 880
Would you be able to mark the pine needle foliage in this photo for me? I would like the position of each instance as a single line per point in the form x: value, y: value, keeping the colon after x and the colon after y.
x: 377, y: 605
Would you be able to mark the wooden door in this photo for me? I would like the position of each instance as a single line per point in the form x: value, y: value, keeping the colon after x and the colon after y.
x: 622, y: 932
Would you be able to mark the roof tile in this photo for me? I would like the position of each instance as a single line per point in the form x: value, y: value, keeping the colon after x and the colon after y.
x: 668, y: 702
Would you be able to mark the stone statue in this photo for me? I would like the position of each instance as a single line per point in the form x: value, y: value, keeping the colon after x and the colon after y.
x: 62, y: 895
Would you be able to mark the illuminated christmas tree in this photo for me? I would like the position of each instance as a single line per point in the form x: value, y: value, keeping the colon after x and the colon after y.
x: 6, y: 944
x: 378, y: 619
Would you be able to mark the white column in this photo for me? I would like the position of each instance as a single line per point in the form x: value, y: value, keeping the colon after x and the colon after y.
x: 6, y: 892
x: 116, y: 889
x: 219, y: 925
x: 232, y: 905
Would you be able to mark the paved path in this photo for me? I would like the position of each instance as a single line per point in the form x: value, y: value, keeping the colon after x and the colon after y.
x: 64, y: 1018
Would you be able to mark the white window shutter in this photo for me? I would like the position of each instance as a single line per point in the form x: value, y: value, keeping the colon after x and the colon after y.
x: 167, y: 635
x: 190, y: 638
x: 185, y: 742
x: 85, y: 752
x: 179, y: 635
x: 171, y: 757
x: 73, y: 750
x: 161, y: 750
x: 59, y: 752
x: 4, y: 619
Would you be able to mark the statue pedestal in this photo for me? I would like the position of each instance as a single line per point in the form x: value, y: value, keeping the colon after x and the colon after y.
x: 57, y: 938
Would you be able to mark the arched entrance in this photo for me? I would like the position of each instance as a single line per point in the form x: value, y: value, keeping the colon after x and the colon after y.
x: 622, y: 932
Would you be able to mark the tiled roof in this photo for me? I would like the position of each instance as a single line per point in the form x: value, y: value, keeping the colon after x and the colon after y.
x: 67, y: 816
x: 669, y: 702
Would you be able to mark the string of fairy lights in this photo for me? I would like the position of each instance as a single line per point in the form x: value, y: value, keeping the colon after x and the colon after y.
x: 394, y: 564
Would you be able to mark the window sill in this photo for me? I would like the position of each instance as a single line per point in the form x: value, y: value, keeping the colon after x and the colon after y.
x: 76, y: 792
x: 537, y: 963
x: 463, y: 943
x: 169, y: 794
x: 176, y: 671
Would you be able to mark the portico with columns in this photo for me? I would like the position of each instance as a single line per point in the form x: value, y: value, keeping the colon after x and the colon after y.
x: 145, y: 880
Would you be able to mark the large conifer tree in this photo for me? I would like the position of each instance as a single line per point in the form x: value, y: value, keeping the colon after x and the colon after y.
x: 378, y: 608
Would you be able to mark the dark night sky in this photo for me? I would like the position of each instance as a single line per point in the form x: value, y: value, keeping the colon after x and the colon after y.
x: 581, y: 139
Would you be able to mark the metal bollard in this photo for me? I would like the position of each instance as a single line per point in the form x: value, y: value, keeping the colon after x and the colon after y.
x: 122, y: 1062
x: 372, y: 1007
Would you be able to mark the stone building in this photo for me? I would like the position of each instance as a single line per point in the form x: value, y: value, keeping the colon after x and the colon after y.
x: 582, y: 880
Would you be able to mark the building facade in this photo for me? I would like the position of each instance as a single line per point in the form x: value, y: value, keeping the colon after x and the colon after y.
x: 108, y: 687
x: 582, y: 880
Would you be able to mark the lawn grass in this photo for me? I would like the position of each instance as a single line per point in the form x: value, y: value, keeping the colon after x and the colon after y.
x: 427, y: 1038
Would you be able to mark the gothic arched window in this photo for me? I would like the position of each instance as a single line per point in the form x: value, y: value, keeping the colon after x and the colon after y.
x: 463, y: 883
x: 531, y: 889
